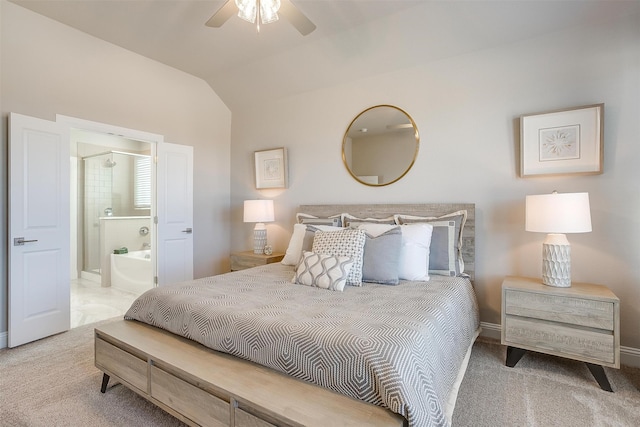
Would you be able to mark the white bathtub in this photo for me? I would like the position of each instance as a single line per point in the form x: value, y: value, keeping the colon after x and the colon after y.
x: 132, y: 272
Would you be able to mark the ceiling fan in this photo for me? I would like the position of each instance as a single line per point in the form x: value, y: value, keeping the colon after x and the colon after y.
x: 262, y: 11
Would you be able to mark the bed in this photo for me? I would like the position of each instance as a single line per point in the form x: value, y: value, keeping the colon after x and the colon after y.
x: 252, y: 348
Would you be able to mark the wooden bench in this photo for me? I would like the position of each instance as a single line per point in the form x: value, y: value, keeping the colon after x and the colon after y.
x: 203, y: 387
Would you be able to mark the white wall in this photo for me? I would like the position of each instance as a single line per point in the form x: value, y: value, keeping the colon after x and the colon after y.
x: 48, y: 68
x: 466, y: 110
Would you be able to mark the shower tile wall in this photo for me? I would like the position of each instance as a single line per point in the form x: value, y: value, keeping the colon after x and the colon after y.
x: 97, y: 195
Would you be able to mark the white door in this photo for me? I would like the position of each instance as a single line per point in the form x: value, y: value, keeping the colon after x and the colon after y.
x: 38, y: 229
x: 174, y: 215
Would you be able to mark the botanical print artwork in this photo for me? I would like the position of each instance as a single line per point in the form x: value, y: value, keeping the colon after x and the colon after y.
x: 560, y: 143
x: 272, y: 169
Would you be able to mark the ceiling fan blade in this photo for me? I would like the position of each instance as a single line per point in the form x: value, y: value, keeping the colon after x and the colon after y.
x: 297, y: 18
x: 222, y: 15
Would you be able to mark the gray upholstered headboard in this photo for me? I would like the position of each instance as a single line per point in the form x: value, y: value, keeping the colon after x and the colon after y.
x: 422, y: 209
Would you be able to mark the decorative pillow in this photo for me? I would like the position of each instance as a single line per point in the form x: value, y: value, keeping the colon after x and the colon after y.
x: 381, y: 253
x: 302, y: 239
x: 353, y: 222
x: 346, y: 242
x: 414, y: 253
x: 446, y: 241
x: 333, y: 220
x: 323, y: 271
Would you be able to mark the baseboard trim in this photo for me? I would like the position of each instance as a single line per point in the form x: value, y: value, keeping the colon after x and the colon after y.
x: 491, y: 330
x: 629, y: 356
x: 3, y: 340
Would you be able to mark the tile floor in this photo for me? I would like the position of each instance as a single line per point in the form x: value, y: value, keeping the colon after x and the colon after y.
x: 91, y: 303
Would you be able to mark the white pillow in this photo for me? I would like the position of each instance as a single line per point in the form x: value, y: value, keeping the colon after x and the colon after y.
x: 323, y: 271
x: 414, y: 252
x: 296, y: 243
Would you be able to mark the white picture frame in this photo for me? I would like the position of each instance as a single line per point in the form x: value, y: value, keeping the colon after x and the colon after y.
x: 271, y: 169
x: 568, y: 141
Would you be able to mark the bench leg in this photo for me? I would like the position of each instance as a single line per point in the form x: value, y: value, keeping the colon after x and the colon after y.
x: 598, y: 373
x: 514, y: 354
x: 105, y: 381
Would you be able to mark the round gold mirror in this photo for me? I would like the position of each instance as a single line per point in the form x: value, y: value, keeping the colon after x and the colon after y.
x: 380, y: 145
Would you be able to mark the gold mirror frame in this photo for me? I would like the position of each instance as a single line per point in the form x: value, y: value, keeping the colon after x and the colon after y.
x: 389, y: 126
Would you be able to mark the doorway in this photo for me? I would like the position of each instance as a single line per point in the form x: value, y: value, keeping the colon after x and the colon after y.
x: 40, y: 217
x: 111, y: 256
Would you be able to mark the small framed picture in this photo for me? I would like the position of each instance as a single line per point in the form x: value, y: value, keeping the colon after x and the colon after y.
x: 566, y: 141
x: 271, y: 168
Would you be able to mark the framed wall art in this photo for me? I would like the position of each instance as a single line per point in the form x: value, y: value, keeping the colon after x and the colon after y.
x: 566, y: 141
x: 271, y: 168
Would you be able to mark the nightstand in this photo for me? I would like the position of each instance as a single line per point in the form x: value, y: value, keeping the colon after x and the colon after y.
x: 247, y: 259
x: 581, y: 322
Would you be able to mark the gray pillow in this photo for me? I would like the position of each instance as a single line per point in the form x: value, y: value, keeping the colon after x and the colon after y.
x: 381, y: 255
x: 445, y: 258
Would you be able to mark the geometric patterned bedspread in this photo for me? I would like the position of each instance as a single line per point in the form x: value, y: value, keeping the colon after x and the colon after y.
x: 400, y: 347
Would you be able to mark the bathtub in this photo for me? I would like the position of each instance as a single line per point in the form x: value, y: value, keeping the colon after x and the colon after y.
x: 132, y: 272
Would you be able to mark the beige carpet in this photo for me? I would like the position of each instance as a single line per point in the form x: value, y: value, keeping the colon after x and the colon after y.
x: 53, y: 382
x: 543, y: 391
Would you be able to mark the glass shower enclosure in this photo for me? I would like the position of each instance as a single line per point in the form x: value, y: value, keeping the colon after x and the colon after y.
x: 115, y: 184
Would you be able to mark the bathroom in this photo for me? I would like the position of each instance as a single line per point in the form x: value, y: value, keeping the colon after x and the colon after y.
x: 112, y: 230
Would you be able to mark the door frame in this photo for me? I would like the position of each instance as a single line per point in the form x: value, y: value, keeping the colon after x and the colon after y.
x: 138, y: 135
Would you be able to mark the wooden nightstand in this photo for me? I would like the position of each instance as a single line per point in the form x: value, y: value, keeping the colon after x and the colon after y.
x: 247, y: 259
x: 581, y: 323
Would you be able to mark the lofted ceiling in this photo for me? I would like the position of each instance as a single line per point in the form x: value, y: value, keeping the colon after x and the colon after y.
x: 354, y: 38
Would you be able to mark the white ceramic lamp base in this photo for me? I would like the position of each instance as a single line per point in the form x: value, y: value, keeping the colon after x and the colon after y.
x: 259, y: 238
x: 556, y: 261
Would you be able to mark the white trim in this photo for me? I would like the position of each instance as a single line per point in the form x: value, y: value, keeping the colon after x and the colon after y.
x: 3, y: 339
x: 89, y: 125
x: 491, y: 330
x: 629, y: 356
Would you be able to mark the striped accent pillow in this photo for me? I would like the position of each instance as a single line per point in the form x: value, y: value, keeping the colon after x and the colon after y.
x: 323, y: 271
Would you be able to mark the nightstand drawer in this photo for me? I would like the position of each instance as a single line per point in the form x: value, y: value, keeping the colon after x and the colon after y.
x: 582, y: 344
x: 564, y: 309
x: 247, y: 259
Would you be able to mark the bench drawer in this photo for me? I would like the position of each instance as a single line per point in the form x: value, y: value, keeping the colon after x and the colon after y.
x: 245, y: 419
x: 124, y: 365
x: 189, y: 400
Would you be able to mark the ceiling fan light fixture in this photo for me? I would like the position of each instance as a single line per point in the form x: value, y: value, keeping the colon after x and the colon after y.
x: 263, y: 11
x: 269, y: 10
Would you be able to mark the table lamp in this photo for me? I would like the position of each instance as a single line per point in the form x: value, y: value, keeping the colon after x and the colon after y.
x: 557, y: 214
x: 259, y: 211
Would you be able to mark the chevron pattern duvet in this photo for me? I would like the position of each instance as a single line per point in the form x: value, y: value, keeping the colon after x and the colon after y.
x: 400, y: 347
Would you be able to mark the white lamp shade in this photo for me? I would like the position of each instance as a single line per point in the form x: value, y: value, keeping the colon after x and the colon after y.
x: 258, y: 211
x: 558, y: 213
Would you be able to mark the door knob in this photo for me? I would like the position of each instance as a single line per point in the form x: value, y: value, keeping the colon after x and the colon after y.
x: 19, y: 241
x: 188, y: 230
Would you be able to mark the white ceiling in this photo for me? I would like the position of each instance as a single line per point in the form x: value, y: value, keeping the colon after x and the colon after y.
x: 354, y: 38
